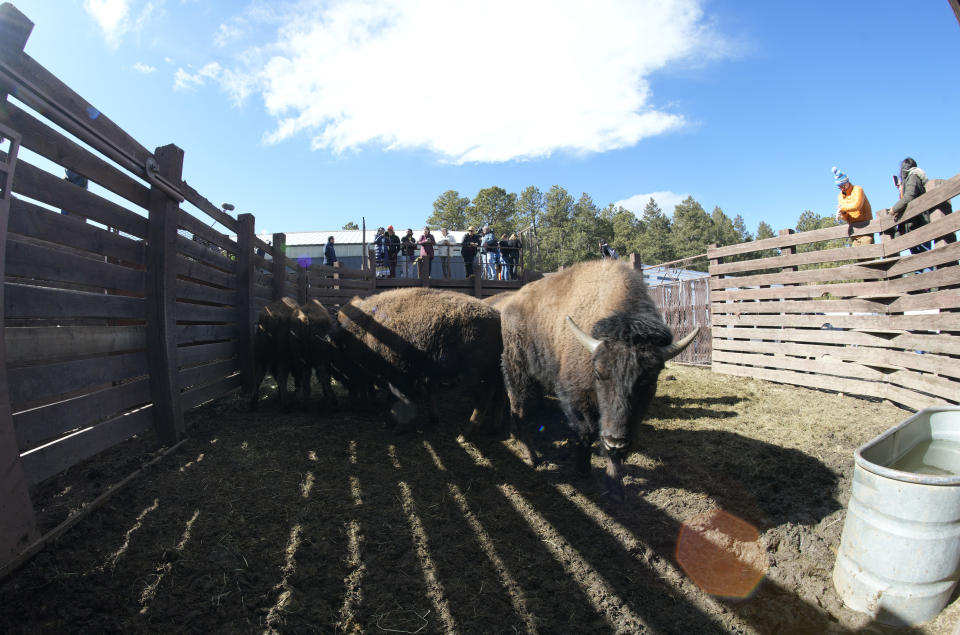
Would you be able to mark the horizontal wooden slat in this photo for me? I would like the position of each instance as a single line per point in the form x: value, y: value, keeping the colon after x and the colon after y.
x: 798, y: 306
x: 46, y: 422
x: 32, y: 182
x: 925, y: 322
x: 191, y: 355
x: 53, y: 459
x: 343, y: 272
x: 197, y: 396
x: 37, y: 344
x: 207, y: 255
x: 822, y: 366
x: 947, y: 254
x: 930, y: 231
x: 187, y: 312
x: 199, y: 271
x: 942, y: 344
x: 24, y: 301
x: 290, y: 290
x: 40, y: 262
x: 37, y: 384
x: 198, y: 333
x: 205, y: 374
x: 343, y: 283
x: 34, y: 221
x: 887, y: 358
x: 189, y: 290
x: 806, y: 276
x: 834, y: 384
x: 204, y: 231
x: 49, y: 143
x: 208, y: 208
x: 856, y: 252
x: 942, y: 387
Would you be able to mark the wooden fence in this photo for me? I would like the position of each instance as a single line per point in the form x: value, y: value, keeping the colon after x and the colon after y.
x: 855, y: 319
x: 121, y: 309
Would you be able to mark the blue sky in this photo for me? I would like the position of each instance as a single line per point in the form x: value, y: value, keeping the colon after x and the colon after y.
x: 310, y: 114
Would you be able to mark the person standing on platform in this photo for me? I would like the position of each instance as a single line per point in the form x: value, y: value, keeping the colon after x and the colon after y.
x: 329, y: 253
x: 445, y: 242
x: 852, y: 206
x: 468, y: 250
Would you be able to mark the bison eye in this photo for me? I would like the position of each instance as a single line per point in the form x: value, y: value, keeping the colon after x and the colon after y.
x: 601, y: 373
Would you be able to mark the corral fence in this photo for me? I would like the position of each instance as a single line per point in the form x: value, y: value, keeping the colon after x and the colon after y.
x: 122, y: 309
x: 809, y: 310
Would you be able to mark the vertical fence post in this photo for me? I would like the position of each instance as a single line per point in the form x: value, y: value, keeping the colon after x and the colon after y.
x: 245, y: 278
x: 279, y: 266
x: 635, y: 261
x: 161, y: 300
x: 18, y: 526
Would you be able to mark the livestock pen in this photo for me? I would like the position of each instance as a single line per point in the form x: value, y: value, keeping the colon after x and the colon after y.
x: 119, y: 327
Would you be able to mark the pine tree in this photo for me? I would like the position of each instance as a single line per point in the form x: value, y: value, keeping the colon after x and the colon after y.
x: 655, y: 244
x: 450, y: 211
x: 692, y: 232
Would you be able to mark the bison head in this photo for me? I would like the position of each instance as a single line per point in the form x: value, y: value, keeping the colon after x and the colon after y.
x: 627, y: 360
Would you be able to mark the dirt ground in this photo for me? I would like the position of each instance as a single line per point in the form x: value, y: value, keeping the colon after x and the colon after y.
x: 325, y: 521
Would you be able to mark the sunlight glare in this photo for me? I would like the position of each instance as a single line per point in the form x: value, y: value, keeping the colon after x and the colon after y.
x: 722, y: 554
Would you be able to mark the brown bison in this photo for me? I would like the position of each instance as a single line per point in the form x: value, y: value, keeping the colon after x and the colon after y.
x: 591, y: 336
x: 292, y: 340
x: 276, y: 348
x: 417, y: 341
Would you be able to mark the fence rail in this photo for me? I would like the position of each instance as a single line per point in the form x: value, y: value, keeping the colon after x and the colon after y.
x: 855, y: 319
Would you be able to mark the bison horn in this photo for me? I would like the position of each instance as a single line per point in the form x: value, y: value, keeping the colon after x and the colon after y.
x: 588, y: 342
x: 669, y: 352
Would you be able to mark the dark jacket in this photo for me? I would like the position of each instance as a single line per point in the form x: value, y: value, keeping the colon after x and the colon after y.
x: 914, y: 182
x: 468, y: 246
x: 408, y: 246
x: 329, y: 254
x: 381, y: 242
x: 510, y: 249
x: 489, y: 243
x: 393, y: 246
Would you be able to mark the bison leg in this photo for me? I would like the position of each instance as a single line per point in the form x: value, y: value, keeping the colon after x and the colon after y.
x: 323, y: 376
x: 282, y: 376
x: 613, y: 480
x: 260, y: 371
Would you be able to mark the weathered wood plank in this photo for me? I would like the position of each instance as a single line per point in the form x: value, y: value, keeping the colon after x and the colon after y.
x: 925, y: 322
x: 946, y: 299
x: 930, y: 231
x: 823, y: 366
x: 198, y: 228
x: 245, y: 316
x: 207, y: 373
x: 200, y: 272
x: 207, y: 255
x: 798, y: 306
x: 31, y: 260
x: 39, y: 384
x: 44, y: 343
x: 883, y: 358
x: 41, y: 424
x: 833, y: 384
x: 202, y: 333
x: 806, y: 276
x: 198, y: 396
x: 948, y: 254
x: 49, y: 143
x: 189, y: 290
x: 26, y: 301
x: 188, y: 312
x: 343, y: 283
x: 201, y: 353
x: 839, y: 254
x: 208, y: 208
x: 34, y: 221
x: 941, y: 344
x: 53, y: 459
x: 32, y: 182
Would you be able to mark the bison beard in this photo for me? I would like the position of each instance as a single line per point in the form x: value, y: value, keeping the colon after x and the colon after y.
x: 415, y: 341
x: 605, y: 380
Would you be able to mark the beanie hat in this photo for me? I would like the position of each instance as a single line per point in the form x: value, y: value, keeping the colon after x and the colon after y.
x: 389, y: 228
x: 839, y: 178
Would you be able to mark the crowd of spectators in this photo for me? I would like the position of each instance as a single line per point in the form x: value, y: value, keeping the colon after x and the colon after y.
x: 412, y: 257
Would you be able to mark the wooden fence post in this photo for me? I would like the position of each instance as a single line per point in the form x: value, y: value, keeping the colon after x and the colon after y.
x: 18, y: 525
x: 635, y: 261
x: 279, y: 266
x: 161, y: 300
x: 245, y: 278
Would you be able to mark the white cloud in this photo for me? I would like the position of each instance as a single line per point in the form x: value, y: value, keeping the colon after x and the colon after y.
x: 183, y: 80
x: 146, y: 69
x: 485, y: 82
x: 115, y: 17
x: 665, y: 200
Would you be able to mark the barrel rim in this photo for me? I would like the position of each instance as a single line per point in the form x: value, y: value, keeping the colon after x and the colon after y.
x: 899, y: 475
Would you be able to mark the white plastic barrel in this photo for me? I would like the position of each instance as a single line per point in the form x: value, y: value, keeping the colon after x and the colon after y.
x: 899, y: 556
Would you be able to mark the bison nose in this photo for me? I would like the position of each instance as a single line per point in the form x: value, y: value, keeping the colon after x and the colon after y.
x: 613, y: 443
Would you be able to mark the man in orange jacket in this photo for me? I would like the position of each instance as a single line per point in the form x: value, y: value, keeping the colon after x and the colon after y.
x: 852, y: 205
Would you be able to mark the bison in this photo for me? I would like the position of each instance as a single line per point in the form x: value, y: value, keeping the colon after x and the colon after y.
x: 417, y: 341
x: 591, y: 336
x: 292, y: 340
x: 276, y: 348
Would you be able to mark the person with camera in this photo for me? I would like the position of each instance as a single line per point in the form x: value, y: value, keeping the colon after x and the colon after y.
x: 852, y: 206
x: 468, y: 249
x: 911, y: 184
